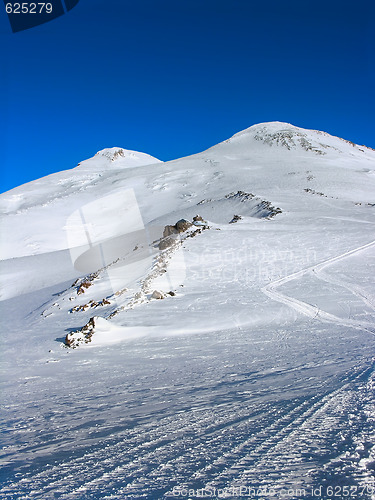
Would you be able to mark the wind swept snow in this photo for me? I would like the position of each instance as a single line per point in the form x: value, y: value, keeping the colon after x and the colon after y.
x: 199, y: 327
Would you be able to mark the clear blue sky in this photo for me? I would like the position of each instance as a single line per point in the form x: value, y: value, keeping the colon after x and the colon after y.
x: 172, y: 78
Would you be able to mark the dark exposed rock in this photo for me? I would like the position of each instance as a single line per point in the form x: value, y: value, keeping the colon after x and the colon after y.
x: 168, y: 230
x: 68, y: 340
x: 198, y: 218
x: 87, y: 332
x: 166, y: 243
x: 236, y: 218
x: 83, y: 286
x: 90, y: 324
x: 312, y: 191
x: 92, y: 304
x: 182, y: 225
x: 241, y: 195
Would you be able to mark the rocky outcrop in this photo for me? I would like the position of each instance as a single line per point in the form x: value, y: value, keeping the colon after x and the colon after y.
x: 198, y: 218
x: 236, y: 218
x: 82, y: 284
x: 183, y: 225
x: 92, y: 303
x: 83, y: 287
x: 73, y: 339
x: 166, y: 243
x: 170, y: 232
x: 252, y: 205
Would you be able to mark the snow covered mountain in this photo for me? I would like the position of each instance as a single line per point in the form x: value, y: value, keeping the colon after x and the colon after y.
x: 205, y: 322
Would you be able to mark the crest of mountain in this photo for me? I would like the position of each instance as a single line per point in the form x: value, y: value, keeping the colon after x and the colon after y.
x: 276, y: 161
x: 285, y: 135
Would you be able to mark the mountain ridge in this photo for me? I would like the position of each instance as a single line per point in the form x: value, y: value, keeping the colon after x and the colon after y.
x: 253, y: 161
x: 135, y: 158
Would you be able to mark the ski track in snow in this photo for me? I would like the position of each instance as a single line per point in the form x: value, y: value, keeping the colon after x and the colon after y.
x: 234, y: 444
x: 313, y: 311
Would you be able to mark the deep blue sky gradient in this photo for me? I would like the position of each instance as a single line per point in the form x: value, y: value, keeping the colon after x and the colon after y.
x: 172, y: 78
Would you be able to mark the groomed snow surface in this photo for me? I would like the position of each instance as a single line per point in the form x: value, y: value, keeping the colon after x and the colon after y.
x: 228, y: 358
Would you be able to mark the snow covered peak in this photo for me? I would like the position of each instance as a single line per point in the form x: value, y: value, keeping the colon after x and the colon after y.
x: 89, y: 174
x: 286, y: 136
x: 124, y: 158
x: 271, y: 127
x: 265, y: 129
x: 115, y: 153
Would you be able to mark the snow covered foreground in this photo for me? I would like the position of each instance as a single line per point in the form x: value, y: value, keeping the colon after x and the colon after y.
x: 229, y: 358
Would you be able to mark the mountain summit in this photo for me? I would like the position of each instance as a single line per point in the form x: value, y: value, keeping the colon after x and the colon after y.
x: 287, y: 136
x: 118, y: 158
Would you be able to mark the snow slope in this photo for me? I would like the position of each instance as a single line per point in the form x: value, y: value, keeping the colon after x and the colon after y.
x: 254, y: 370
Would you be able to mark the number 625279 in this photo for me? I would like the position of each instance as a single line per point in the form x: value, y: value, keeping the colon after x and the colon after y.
x: 28, y: 8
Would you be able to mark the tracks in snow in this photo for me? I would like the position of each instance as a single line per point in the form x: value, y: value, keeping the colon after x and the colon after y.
x: 294, y: 443
x: 249, y: 442
x: 313, y: 311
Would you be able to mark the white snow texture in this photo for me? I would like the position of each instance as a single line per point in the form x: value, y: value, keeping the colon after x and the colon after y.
x: 148, y: 353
